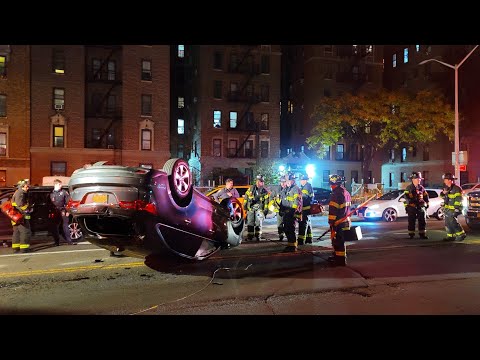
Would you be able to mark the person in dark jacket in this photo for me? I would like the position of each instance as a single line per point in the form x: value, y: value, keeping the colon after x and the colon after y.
x: 59, y: 198
x: 416, y: 205
x: 274, y: 205
x: 291, y: 209
x: 305, y: 225
x: 338, y: 209
x: 452, y: 197
x: 21, y: 230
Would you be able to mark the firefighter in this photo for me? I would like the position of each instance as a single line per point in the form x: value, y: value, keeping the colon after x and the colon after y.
x: 274, y: 205
x: 21, y: 230
x: 452, y: 197
x: 305, y: 226
x: 291, y: 210
x: 256, y: 203
x: 416, y: 205
x: 338, y: 208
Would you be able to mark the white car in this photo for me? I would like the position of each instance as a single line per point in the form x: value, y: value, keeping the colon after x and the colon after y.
x: 390, y: 206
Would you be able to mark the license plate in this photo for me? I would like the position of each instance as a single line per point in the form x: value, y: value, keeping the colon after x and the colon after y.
x: 99, y: 198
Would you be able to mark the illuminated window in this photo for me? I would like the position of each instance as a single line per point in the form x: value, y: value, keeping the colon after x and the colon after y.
x: 146, y: 70
x: 147, y: 105
x: 58, y: 98
x: 394, y: 60
x: 217, y: 147
x: 58, y: 136
x: 181, y: 126
x: 290, y: 107
x: 369, y: 49
x: 3, y: 144
x: 217, y: 118
x: 233, y: 119
x: 58, y: 61
x: 181, y: 102
x: 404, y: 154
x: 181, y: 51
x: 405, y: 55
x: 3, y: 66
x: 417, y: 47
x: 264, y: 125
x: 146, y: 139
x: 111, y: 70
x: 58, y: 168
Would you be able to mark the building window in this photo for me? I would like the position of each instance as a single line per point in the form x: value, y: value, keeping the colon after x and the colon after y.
x: 181, y: 102
x: 354, y: 176
x: 265, y: 64
x: 3, y: 144
x: 264, y: 122
x: 96, y: 65
x: 326, y: 176
x: 58, y: 61
x: 58, y: 136
x: 290, y: 107
x: 3, y: 66
x: 404, y: 154
x: 264, y: 93
x: 264, y: 149
x: 354, y: 49
x: 391, y: 179
x: 146, y: 139
x: 146, y: 70
x: 147, y: 105
x: 354, y: 152
x: 180, y: 150
x: 217, y: 119
x: 405, y: 55
x: 325, y: 153
x: 414, y: 151
x: 217, y: 147
x: 233, y: 62
x: 58, y: 168
x: 249, y: 121
x: 339, y: 154
x: 394, y: 60
x: 392, y: 155
x: 218, y: 61
x: 233, y: 119
x: 426, y: 153
x: 181, y: 126
x: 111, y: 139
x: 417, y: 47
x: 369, y: 49
x: 355, y: 72
x: 232, y: 148
x: 328, y: 50
x: 249, y: 90
x: 181, y: 51
x: 249, y: 149
x: 233, y: 87
x: 58, y: 98
x: 111, y: 103
x: 96, y: 137
x: 341, y: 172
x: 217, y: 89
x: 111, y: 70
x: 3, y: 105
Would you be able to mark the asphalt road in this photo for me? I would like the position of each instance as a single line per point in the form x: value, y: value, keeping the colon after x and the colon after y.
x: 387, y: 273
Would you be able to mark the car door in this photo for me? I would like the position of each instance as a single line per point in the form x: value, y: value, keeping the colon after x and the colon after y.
x: 401, y: 206
x: 435, y: 202
x: 6, y: 229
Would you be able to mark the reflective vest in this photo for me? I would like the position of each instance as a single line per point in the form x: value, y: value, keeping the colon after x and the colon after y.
x: 416, y: 196
x: 307, y: 195
x: 19, y: 201
x: 453, y: 198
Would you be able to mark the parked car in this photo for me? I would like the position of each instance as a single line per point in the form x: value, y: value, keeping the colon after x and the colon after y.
x: 143, y: 212
x: 472, y: 209
x: 390, y: 206
x: 322, y: 195
x: 39, y: 196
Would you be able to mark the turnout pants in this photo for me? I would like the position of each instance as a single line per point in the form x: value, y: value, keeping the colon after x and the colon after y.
x: 338, y: 243
x: 280, y: 227
x: 21, y: 236
x: 452, y: 226
x: 413, y: 215
x: 305, y: 229
x: 289, y: 221
x: 254, y: 224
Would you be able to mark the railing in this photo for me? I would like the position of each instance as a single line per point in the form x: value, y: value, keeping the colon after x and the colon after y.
x: 251, y: 69
x: 237, y: 96
x: 103, y: 75
x: 103, y: 111
x: 242, y: 153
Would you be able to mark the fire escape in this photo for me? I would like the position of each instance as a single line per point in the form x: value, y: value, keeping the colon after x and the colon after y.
x: 245, y: 94
x: 356, y: 68
x: 102, y: 98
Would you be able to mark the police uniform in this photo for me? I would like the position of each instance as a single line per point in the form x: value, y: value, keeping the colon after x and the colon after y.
x: 291, y: 208
x: 21, y: 230
x: 274, y: 206
x: 256, y: 203
x: 452, y: 197
x: 416, y: 204
x: 305, y: 225
x: 60, y: 200
x: 338, y: 209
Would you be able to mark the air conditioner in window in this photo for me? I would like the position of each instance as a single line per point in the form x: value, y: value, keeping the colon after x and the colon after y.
x: 58, y: 106
x: 110, y: 146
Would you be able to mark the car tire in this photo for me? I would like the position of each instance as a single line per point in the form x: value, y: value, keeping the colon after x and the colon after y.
x: 75, y: 231
x: 390, y: 215
x: 236, y: 216
x: 440, y: 213
x: 180, y: 180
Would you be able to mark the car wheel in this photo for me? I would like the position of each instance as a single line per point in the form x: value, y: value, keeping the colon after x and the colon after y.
x: 180, y: 180
x: 473, y: 225
x: 440, y: 213
x: 75, y: 230
x: 390, y: 215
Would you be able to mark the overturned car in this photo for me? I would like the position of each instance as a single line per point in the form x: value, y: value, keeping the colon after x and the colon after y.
x: 143, y: 212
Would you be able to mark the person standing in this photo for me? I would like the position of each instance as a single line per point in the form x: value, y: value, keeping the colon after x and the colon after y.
x: 59, y: 198
x: 452, y: 197
x: 291, y: 206
x: 227, y: 192
x: 305, y: 225
x: 21, y: 230
x: 338, y: 209
x: 416, y: 205
x: 274, y: 205
x: 256, y: 203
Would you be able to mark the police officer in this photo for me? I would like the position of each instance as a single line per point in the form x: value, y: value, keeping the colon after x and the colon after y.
x: 305, y: 226
x: 21, y: 230
x: 452, y: 197
x: 59, y: 198
x: 338, y: 208
x: 256, y: 203
x: 416, y: 205
x: 274, y: 205
x: 291, y: 207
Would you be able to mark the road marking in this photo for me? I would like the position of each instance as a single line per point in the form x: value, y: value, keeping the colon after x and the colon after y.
x: 51, y: 252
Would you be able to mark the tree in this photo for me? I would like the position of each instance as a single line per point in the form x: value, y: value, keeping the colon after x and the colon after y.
x: 376, y: 120
x: 269, y: 169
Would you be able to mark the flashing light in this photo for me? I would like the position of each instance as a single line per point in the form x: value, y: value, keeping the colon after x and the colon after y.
x: 281, y: 168
x: 310, y: 169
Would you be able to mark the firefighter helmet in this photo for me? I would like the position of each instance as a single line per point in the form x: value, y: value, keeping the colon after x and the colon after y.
x: 283, y: 178
x: 303, y: 177
x: 416, y: 175
x: 448, y: 176
x: 260, y: 177
x: 291, y: 176
x: 22, y: 183
x: 335, y: 179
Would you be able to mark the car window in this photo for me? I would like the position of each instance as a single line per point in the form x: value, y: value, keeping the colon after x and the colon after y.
x: 241, y: 191
x: 432, y: 194
x: 390, y: 195
x: 468, y: 186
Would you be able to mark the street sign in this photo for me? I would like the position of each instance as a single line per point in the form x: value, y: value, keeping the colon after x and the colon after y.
x: 462, y: 158
x: 462, y: 167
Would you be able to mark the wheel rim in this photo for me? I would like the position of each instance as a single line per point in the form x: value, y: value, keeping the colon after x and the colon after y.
x: 390, y: 215
x: 236, y: 214
x: 440, y: 213
x: 75, y: 231
x: 182, y: 179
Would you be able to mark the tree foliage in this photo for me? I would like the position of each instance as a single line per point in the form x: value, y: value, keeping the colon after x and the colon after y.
x: 269, y: 169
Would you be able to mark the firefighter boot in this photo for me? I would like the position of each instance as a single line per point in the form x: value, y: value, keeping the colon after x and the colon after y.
x: 337, y: 260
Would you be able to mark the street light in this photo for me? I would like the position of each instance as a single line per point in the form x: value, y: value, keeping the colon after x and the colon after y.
x: 457, y: 136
